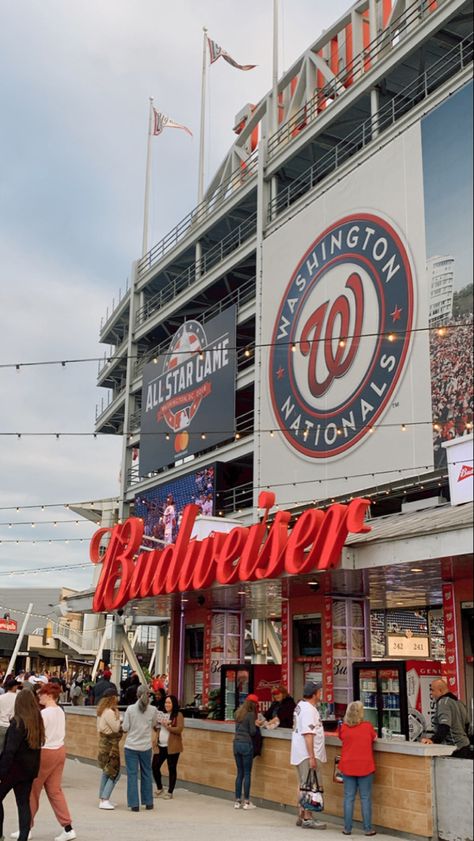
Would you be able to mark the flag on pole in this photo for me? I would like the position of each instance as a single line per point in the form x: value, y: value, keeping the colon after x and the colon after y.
x: 216, y: 52
x: 161, y: 121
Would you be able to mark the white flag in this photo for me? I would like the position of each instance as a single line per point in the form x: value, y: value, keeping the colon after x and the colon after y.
x: 216, y: 52
x: 161, y: 121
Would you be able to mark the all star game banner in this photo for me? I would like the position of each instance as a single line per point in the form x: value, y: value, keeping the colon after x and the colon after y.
x: 188, y: 394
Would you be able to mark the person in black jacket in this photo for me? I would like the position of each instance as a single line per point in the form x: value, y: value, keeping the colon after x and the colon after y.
x: 281, y: 709
x: 103, y: 684
x: 20, y: 760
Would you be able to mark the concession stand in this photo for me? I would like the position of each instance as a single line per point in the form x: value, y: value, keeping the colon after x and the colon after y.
x: 319, y: 596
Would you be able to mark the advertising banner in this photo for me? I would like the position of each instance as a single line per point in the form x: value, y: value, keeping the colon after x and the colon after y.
x: 188, y: 395
x: 8, y: 625
x: 460, y: 469
x: 345, y: 387
x: 366, y: 360
x: 447, y: 140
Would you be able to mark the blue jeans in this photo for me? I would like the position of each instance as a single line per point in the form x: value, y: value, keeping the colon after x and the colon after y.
x: 364, y: 784
x: 107, y: 785
x: 135, y: 760
x: 243, y: 755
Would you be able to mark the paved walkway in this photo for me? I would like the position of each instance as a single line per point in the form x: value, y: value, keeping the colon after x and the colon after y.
x: 188, y: 817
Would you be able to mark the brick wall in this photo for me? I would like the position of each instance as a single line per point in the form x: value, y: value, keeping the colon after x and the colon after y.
x: 402, y: 797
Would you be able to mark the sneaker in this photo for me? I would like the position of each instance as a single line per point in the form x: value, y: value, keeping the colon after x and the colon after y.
x: 17, y: 834
x: 237, y: 804
x: 106, y: 804
x: 248, y: 806
x: 167, y: 796
x: 159, y: 792
x: 310, y: 824
x: 370, y: 832
x: 149, y: 807
x: 66, y: 835
x: 299, y: 821
x: 132, y: 809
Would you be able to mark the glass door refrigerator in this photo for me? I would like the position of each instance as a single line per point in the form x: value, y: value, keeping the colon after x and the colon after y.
x: 236, y: 684
x: 382, y: 688
x: 238, y: 681
x: 396, y: 695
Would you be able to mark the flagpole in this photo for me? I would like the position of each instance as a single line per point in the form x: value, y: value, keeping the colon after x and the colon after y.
x: 147, y: 180
x: 276, y: 50
x: 202, y: 141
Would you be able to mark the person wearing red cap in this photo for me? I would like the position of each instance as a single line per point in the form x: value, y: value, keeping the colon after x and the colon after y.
x: 103, y: 684
x: 245, y: 730
x: 282, y: 709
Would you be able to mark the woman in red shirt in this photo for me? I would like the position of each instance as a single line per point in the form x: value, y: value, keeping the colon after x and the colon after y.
x: 357, y: 765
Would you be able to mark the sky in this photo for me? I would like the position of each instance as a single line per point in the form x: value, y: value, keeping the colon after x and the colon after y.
x: 76, y: 78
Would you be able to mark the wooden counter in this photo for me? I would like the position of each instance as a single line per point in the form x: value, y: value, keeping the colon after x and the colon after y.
x: 403, y: 796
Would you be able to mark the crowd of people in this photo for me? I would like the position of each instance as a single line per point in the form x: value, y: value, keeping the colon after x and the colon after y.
x: 33, y: 754
x: 451, y: 383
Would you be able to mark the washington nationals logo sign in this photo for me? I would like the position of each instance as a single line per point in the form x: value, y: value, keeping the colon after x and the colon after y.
x: 341, y: 337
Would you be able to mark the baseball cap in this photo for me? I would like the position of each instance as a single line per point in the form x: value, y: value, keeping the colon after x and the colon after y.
x: 107, y: 674
x: 278, y: 690
x: 110, y: 692
x: 253, y: 698
x: 311, y: 688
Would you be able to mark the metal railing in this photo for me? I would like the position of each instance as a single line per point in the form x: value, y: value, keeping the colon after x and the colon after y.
x: 109, y: 360
x: 199, y: 269
x: 240, y: 296
x: 425, y: 84
x: 239, y: 178
x: 81, y: 641
x: 103, y: 407
x: 115, y: 306
x: 236, y: 499
x: 343, y: 80
x: 244, y: 426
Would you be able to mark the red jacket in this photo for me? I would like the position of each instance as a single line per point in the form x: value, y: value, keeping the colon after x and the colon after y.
x: 357, y: 757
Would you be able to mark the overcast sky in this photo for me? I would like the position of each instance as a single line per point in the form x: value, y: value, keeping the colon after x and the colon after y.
x: 76, y: 77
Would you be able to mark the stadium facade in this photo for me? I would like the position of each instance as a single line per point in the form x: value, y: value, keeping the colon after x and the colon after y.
x: 278, y: 338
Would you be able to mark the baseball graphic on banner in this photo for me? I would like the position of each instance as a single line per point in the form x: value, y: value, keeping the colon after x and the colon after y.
x: 345, y: 376
x: 329, y: 386
x: 188, y: 393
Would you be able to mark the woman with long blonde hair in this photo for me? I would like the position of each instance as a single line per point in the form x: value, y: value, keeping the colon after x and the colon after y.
x: 357, y: 765
x: 20, y: 760
x: 109, y: 729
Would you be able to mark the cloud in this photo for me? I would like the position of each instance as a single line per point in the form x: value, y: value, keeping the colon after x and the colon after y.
x: 76, y: 78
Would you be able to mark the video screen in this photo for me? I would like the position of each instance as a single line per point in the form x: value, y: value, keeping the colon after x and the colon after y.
x: 162, y: 507
x: 194, y: 643
x: 309, y: 638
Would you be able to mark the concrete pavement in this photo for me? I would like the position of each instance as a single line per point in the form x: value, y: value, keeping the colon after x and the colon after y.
x: 188, y: 817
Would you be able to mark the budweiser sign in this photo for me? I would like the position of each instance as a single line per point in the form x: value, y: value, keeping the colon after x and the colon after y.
x: 466, y: 472
x: 243, y: 554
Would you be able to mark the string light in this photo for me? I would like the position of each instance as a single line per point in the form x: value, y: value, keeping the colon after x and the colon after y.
x: 442, y: 330
x: 409, y: 470
x: 249, y: 431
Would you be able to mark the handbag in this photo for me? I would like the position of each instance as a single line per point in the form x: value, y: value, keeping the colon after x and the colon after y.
x: 337, y: 776
x: 311, y: 793
x: 257, y: 743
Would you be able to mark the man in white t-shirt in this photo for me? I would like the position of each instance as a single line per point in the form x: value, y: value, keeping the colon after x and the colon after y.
x: 307, y: 746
